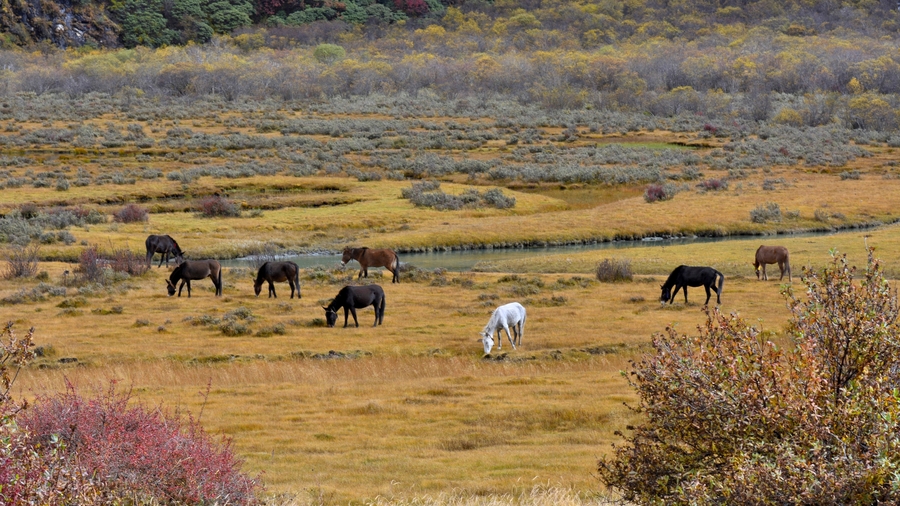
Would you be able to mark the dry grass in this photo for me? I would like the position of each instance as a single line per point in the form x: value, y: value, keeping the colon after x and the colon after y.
x: 418, y: 412
x: 410, y: 412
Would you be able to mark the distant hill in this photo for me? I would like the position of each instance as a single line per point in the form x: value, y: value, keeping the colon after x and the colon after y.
x: 117, y: 23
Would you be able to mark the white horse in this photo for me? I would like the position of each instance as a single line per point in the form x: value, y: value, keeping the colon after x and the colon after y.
x: 504, y: 317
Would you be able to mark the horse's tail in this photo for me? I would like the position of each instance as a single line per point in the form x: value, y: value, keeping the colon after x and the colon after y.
x: 787, y: 264
x: 395, y: 268
x: 721, y: 282
x: 297, y: 280
x: 218, y: 280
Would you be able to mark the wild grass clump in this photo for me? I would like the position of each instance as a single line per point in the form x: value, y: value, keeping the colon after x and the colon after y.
x: 22, y: 261
x: 770, y: 211
x: 132, y: 213
x: 614, y: 270
x: 214, y: 206
x: 129, y: 262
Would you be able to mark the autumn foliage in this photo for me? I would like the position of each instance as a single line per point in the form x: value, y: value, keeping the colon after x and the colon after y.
x: 733, y: 418
x: 71, y: 449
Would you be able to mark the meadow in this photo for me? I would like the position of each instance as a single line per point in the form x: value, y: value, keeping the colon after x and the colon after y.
x: 412, y: 408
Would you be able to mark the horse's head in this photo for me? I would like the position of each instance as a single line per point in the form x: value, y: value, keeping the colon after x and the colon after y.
x: 346, y: 257
x: 170, y: 287
x: 257, y: 287
x: 758, y: 268
x: 179, y: 256
x: 488, y: 341
x: 330, y: 316
x: 665, y: 295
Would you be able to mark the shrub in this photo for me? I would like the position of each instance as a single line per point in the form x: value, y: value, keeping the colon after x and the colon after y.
x: 127, y: 261
x: 22, y: 261
x: 614, y: 270
x: 713, y: 185
x: 216, y: 205
x: 656, y: 192
x: 329, y: 53
x: 731, y: 418
x: 764, y: 213
x: 91, y: 265
x: 132, y: 213
x: 136, y: 454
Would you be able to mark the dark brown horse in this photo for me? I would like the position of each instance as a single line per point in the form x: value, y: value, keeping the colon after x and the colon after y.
x: 368, y: 257
x: 772, y: 255
x: 165, y: 245
x: 280, y: 272
x: 352, y: 297
x: 195, y: 269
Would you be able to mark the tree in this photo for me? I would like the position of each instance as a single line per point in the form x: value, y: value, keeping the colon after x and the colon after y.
x: 731, y: 418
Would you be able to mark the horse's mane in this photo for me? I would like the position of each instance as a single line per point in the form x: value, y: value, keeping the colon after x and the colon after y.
x: 671, y: 279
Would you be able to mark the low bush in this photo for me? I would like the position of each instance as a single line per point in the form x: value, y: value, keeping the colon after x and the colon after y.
x: 218, y: 206
x: 129, y: 262
x: 132, y: 213
x: 614, y: 270
x: 91, y: 265
x: 133, y: 453
x: 656, y: 192
x: 729, y: 417
x: 429, y: 194
x: 770, y: 211
x: 22, y: 261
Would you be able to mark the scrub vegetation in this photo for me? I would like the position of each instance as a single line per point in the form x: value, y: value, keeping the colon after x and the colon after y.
x: 305, y: 128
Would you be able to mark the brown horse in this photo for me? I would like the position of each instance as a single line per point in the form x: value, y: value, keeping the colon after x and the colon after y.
x: 195, y: 269
x: 280, y: 272
x: 373, y: 258
x: 770, y: 255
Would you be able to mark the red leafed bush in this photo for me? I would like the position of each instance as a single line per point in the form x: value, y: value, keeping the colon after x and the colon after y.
x: 412, y: 7
x: 216, y: 205
x: 135, y: 452
x: 132, y: 213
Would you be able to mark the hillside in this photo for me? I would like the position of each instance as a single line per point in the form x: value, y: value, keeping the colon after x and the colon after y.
x: 117, y: 23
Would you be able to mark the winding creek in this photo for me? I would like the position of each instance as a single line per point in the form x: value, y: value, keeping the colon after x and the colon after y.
x: 466, y: 260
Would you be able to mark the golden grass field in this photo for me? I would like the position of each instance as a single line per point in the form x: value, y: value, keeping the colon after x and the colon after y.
x: 411, y: 410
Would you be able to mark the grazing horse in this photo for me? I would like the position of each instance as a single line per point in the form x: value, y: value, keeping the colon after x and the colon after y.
x: 771, y: 255
x: 373, y: 258
x: 352, y: 297
x: 280, y: 272
x: 165, y: 245
x: 684, y: 276
x: 504, y: 317
x: 195, y: 269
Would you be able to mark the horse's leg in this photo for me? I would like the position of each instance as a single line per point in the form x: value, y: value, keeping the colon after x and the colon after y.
x: 360, y: 274
x: 346, y: 315
x: 781, y: 268
x: 353, y: 312
x: 272, y: 290
x: 160, y: 261
x: 509, y: 336
x: 708, y: 294
x: 764, y: 276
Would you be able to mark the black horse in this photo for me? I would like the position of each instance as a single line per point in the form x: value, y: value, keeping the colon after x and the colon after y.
x: 352, y: 297
x: 280, y: 272
x: 684, y: 276
x: 195, y: 269
x: 165, y: 245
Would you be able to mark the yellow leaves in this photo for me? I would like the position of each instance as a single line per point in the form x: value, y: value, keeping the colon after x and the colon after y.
x: 788, y: 116
x: 854, y: 86
x: 433, y: 33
